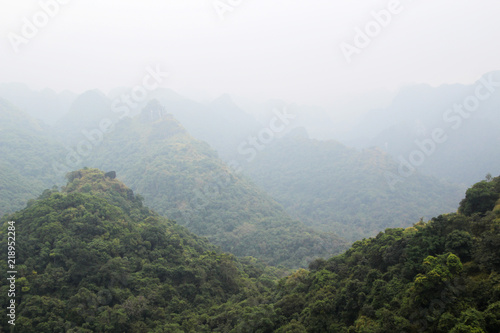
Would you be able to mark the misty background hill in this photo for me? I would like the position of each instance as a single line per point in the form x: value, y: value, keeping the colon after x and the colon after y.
x: 46, y: 105
x: 268, y: 157
x: 473, y: 145
x: 468, y: 154
x: 183, y: 178
x: 27, y: 150
x: 335, y: 188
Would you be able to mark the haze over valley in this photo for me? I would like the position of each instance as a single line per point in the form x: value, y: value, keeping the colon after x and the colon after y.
x: 234, y: 166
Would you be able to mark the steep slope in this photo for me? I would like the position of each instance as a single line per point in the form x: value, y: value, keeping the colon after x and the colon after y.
x: 92, y: 258
x: 335, y: 188
x: 220, y: 123
x: 441, y: 276
x: 183, y: 179
x: 27, y: 151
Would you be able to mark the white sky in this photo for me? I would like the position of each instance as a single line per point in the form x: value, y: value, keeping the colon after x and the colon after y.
x: 286, y: 49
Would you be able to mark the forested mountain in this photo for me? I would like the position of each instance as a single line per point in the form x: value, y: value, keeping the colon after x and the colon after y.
x: 467, y: 114
x: 179, y: 176
x: 92, y: 258
x: 183, y: 179
x: 322, y: 184
x: 439, y: 276
x: 353, y: 193
x: 220, y: 123
x: 236, y: 166
x: 27, y: 151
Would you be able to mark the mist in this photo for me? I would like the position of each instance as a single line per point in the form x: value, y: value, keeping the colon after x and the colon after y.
x: 250, y: 166
x: 259, y: 50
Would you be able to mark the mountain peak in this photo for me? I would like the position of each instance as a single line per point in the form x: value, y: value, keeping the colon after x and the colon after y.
x: 154, y: 111
x: 105, y: 185
x: 91, y: 101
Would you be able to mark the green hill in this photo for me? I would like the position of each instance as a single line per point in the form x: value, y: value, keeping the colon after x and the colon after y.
x: 332, y: 187
x: 27, y: 151
x: 92, y: 258
x: 183, y: 179
x: 439, y: 276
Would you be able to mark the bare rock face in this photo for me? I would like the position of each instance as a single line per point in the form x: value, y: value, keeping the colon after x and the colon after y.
x: 111, y: 175
x: 153, y: 111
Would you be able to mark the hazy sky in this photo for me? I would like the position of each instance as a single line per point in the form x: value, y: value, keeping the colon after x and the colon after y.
x: 287, y: 49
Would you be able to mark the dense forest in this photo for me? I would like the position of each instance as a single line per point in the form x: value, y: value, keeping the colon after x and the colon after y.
x: 92, y: 258
x: 240, y: 166
x: 180, y: 177
x: 184, y: 180
x: 95, y: 259
x: 439, y: 276
x: 27, y: 151
x: 297, y: 200
x: 215, y: 252
x: 352, y: 193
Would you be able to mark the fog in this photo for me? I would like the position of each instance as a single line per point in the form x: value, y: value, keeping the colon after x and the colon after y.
x: 383, y: 74
x: 255, y: 50
x: 201, y: 165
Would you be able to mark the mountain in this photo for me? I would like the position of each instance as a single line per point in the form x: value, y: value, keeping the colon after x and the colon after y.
x: 220, y: 123
x: 45, y: 105
x: 353, y: 193
x: 27, y: 150
x: 228, y: 126
x: 183, y: 179
x: 328, y: 122
x: 92, y: 258
x: 439, y: 276
x: 180, y: 177
x: 87, y: 112
x: 466, y: 117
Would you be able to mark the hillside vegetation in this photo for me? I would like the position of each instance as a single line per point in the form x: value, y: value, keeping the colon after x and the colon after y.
x: 92, y: 258
x: 184, y: 180
x: 180, y: 177
x: 27, y: 151
x: 332, y: 187
x: 439, y: 276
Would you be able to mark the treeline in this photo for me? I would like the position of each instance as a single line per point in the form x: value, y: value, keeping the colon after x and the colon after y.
x: 439, y: 276
x: 27, y: 152
x: 352, y: 193
x: 183, y: 179
x: 180, y: 177
x: 93, y: 258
